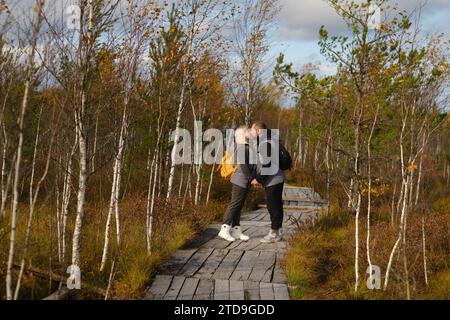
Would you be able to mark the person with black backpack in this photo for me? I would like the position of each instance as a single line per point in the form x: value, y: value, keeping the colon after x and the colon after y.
x: 272, y: 182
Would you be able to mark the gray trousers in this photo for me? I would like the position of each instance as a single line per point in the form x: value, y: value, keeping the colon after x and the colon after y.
x: 233, y: 213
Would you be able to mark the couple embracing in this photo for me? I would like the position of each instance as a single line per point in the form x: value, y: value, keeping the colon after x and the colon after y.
x: 252, y: 174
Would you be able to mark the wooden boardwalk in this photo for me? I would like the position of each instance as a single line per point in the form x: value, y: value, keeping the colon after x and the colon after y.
x: 209, y: 268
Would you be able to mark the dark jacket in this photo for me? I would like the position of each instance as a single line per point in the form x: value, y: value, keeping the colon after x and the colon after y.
x: 245, y: 172
x: 272, y: 179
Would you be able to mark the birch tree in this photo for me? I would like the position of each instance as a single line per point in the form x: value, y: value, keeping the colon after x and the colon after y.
x: 419, y: 121
x: 34, y: 193
x: 95, y: 16
x: 26, y: 96
x: 137, y: 28
x: 201, y: 22
x: 250, y: 29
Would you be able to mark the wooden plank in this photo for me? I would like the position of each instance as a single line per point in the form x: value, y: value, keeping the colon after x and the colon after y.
x: 251, y: 230
x: 159, y: 287
x: 228, y: 265
x: 281, y: 246
x: 246, y: 230
x: 211, y: 264
x: 196, y: 262
x: 216, y: 243
x: 235, y: 244
x: 302, y: 207
x: 240, y: 270
x: 303, y: 199
x: 221, y: 290
x: 271, y: 246
x: 289, y: 192
x: 264, y: 216
x: 237, y: 290
x: 268, y: 274
x: 188, y: 290
x: 258, y: 233
x: 205, y: 290
x: 263, y: 268
x: 249, y: 245
x: 177, y: 261
x: 245, y: 266
x: 251, y: 216
x: 255, y: 232
x: 266, y: 291
x: 174, y: 289
x: 280, y: 291
x: 279, y: 275
x: 257, y: 224
x: 251, y: 290
x: 210, y: 233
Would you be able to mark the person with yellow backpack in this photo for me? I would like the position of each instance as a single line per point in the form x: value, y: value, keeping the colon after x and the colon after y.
x: 236, y: 167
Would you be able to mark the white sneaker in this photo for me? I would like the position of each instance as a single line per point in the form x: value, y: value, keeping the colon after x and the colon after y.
x: 273, y: 236
x: 225, y: 233
x: 236, y: 233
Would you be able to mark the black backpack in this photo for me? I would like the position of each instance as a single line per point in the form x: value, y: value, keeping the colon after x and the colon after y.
x: 285, y: 158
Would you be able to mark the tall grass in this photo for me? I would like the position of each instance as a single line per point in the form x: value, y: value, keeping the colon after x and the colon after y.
x: 133, y: 267
x: 320, y: 263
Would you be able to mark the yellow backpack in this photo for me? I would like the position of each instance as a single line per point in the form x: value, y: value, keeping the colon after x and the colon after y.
x: 227, y: 167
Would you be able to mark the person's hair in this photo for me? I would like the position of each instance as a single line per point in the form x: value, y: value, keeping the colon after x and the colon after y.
x: 260, y: 124
x: 239, y: 135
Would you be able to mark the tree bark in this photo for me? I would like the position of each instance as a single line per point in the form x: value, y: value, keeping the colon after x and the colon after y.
x: 20, y: 122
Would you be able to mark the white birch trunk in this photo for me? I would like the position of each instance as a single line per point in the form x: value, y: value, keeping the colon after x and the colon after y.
x: 369, y: 192
x: 424, y: 249
x: 419, y: 178
x: 188, y: 184
x: 180, y: 188
x: 176, y: 138
x: 198, y: 169
x: 33, y: 199
x: 94, y: 149
x: 108, y: 220
x: 358, y: 210
x: 4, y: 188
x: 350, y: 195
x: 151, y: 201
x: 81, y: 196
x: 248, y: 95
x: 118, y: 165
x: 115, y: 189
x: 58, y: 215
x: 404, y: 200
x: 327, y: 163
x: 5, y: 176
x: 211, y: 177
x: 67, y: 191
x: 399, y: 239
x: 82, y: 140
x: 393, y: 205
x: 15, y: 190
x: 400, y: 199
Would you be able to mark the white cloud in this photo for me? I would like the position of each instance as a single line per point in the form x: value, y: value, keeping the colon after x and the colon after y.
x: 302, y: 19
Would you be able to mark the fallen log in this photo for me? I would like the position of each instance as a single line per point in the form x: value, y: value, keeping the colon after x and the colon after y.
x: 58, y: 278
x: 59, y: 294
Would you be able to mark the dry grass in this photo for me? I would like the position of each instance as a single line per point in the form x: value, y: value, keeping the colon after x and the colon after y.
x: 320, y: 264
x: 133, y: 267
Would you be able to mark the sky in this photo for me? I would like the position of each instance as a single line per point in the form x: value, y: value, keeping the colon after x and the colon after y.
x: 300, y: 20
x: 296, y: 30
